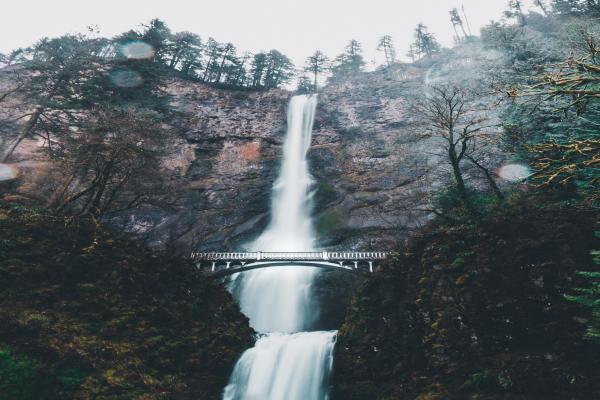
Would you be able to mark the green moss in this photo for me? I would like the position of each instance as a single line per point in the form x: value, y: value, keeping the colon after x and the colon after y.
x: 476, y: 310
x: 144, y: 324
x: 350, y: 130
x: 25, y: 378
x: 328, y: 223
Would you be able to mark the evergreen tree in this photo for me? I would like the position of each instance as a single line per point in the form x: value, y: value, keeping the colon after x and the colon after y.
x: 270, y: 70
x: 257, y: 69
x: 557, y: 119
x: 425, y: 43
x: 589, y: 8
x: 64, y: 75
x: 590, y: 297
x: 214, y: 52
x: 185, y: 50
x: 457, y: 21
x: 515, y: 10
x: 227, y: 58
x: 279, y: 70
x: 157, y: 35
x: 304, y: 85
x: 350, y: 62
x: 386, y: 44
x: 317, y: 64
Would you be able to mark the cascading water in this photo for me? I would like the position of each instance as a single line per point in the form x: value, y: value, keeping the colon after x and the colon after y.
x: 288, y: 361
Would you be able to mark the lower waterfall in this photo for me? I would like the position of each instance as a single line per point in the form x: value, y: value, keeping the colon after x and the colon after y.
x: 288, y: 361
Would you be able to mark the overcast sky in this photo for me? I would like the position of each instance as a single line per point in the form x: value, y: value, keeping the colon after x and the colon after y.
x: 295, y: 27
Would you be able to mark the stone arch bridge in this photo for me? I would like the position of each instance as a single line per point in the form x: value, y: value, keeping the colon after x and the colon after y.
x: 224, y: 264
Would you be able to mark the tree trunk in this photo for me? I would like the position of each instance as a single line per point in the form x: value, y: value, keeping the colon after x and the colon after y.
x: 458, y: 178
x: 462, y: 27
x: 210, y: 60
x: 456, y: 32
x: 25, y: 131
x: 489, y: 177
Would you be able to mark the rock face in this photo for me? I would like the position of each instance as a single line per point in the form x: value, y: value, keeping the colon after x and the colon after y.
x: 476, y: 311
x: 229, y: 158
x: 372, y: 165
x: 366, y: 162
x: 371, y: 161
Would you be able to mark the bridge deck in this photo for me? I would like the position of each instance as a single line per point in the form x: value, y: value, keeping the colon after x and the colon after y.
x: 291, y: 256
x: 223, y: 264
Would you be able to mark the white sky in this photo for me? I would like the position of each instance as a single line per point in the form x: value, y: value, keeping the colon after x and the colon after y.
x: 295, y: 27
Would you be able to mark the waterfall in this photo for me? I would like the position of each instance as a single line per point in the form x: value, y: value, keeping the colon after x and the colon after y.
x: 288, y: 361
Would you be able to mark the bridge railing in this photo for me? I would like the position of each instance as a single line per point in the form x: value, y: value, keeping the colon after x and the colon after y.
x: 292, y: 256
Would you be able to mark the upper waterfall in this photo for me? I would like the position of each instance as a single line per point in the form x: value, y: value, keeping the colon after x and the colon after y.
x: 278, y: 300
x: 287, y: 363
x: 291, y: 224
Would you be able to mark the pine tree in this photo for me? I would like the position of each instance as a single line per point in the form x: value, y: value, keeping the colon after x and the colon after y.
x: 590, y: 297
x: 350, y: 62
x: 457, y: 21
x: 515, y: 10
x: 386, y: 44
x: 185, y: 50
x: 425, y: 43
x: 589, y: 8
x: 317, y: 64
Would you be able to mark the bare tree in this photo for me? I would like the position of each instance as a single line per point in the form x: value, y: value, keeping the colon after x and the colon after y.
x: 111, y: 166
x: 450, y: 116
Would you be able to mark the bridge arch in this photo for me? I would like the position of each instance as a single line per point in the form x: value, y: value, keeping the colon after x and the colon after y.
x: 225, y: 264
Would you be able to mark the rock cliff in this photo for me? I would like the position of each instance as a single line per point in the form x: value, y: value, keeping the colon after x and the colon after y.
x: 371, y: 161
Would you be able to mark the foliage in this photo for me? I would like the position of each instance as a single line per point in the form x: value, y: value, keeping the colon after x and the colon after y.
x: 270, y: 70
x: 386, y: 44
x: 425, y: 43
x: 85, y: 313
x: 60, y: 76
x: 450, y: 115
x: 116, y: 164
x: 350, y: 62
x: 316, y: 65
x: 589, y: 8
x: 457, y: 22
x: 22, y: 378
x: 560, y: 115
x: 476, y: 310
x: 590, y: 297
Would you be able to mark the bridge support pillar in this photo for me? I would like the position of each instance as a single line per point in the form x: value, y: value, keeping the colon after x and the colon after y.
x: 214, y: 265
x: 370, y: 266
x: 355, y: 264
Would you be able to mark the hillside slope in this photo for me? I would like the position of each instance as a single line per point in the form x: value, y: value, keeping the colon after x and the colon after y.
x: 85, y: 314
x: 476, y: 311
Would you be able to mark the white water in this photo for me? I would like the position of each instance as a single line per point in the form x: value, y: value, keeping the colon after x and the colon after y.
x: 287, y: 362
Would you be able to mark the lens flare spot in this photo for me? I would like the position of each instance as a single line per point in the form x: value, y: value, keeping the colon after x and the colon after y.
x: 137, y: 50
x: 125, y: 78
x: 514, y: 172
x: 8, y: 172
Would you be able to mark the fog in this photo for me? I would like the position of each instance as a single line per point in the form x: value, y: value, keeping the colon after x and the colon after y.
x: 295, y: 27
